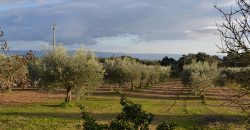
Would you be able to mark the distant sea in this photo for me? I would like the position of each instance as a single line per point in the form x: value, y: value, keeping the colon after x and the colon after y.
x: 143, y: 56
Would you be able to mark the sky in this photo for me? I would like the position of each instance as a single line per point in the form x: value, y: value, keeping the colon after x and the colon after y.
x: 131, y: 26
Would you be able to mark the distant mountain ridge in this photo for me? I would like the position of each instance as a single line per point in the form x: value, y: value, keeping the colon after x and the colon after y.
x: 143, y: 56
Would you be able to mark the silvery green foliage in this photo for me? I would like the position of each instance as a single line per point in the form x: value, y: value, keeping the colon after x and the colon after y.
x: 240, y: 75
x: 124, y: 70
x: 200, y: 75
x: 121, y: 71
x: 230, y: 72
x: 151, y: 75
x: 164, y: 72
x: 79, y: 72
x: 158, y: 74
x: 35, y: 72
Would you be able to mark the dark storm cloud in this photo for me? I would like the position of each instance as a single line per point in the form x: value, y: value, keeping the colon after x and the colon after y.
x: 83, y: 21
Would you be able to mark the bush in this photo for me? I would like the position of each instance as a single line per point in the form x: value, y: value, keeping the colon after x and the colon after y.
x: 90, y: 123
x: 134, y: 114
x: 120, y: 125
x: 132, y: 117
x: 166, y: 126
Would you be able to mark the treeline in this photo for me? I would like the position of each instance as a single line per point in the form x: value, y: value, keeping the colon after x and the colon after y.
x: 124, y: 70
x: 201, y: 71
x: 78, y: 73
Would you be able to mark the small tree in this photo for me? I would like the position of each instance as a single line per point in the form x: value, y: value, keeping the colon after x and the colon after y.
x: 121, y: 71
x: 200, y: 76
x: 135, y: 73
x: 167, y: 61
x: 12, y: 69
x: 144, y: 76
x: 78, y: 73
x: 164, y: 72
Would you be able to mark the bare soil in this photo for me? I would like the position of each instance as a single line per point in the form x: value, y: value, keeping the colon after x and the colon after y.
x: 24, y: 96
x: 170, y: 91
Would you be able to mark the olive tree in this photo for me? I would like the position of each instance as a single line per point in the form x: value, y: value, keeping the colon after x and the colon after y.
x: 151, y: 75
x: 200, y: 76
x: 12, y: 69
x: 164, y: 72
x: 121, y: 71
x: 144, y: 76
x: 135, y: 73
x: 79, y: 73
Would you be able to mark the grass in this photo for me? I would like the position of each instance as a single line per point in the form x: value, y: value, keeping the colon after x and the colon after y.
x: 186, y: 110
x: 50, y: 116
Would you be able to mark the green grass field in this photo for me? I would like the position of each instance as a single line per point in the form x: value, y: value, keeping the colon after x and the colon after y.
x: 186, y: 110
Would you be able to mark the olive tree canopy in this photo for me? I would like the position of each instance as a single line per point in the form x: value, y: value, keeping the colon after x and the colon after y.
x: 78, y: 73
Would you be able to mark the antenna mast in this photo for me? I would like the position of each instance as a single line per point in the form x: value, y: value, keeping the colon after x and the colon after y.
x: 54, y: 36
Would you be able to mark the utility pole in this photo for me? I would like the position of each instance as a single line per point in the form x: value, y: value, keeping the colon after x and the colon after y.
x: 54, y: 36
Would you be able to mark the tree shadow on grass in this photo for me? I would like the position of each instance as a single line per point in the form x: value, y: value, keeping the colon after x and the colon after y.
x: 184, y: 121
x: 52, y: 105
x: 164, y: 96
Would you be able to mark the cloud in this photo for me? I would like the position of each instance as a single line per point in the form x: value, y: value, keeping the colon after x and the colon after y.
x: 29, y: 45
x: 85, y: 21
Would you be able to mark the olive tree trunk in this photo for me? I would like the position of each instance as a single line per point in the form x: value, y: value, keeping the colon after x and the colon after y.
x: 132, y: 86
x: 68, y: 96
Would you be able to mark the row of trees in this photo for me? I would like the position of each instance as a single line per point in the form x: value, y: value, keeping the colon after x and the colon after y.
x: 121, y: 71
x: 239, y: 75
x: 78, y: 73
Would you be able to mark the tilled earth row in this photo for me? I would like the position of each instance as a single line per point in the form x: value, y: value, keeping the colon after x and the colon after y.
x: 173, y: 90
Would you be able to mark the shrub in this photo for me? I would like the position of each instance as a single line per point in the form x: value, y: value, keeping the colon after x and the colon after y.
x: 132, y: 117
x: 134, y: 114
x: 166, y: 126
x: 90, y: 123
